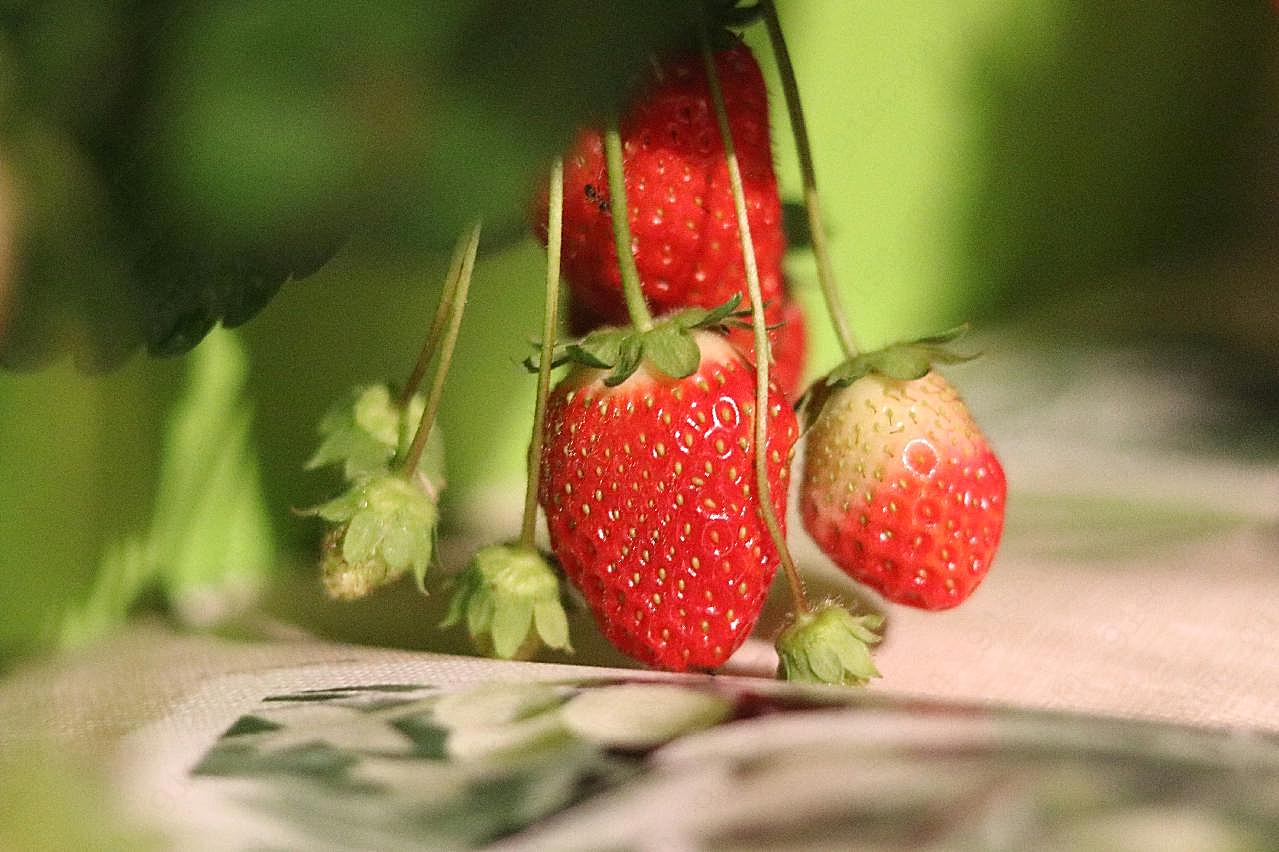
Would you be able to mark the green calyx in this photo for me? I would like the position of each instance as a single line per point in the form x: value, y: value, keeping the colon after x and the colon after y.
x: 904, y: 361
x: 368, y: 430
x: 829, y: 645
x: 509, y: 598
x: 384, y: 526
x: 668, y: 346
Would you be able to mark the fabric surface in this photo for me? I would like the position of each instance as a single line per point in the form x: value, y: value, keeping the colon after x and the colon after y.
x: 1191, y: 637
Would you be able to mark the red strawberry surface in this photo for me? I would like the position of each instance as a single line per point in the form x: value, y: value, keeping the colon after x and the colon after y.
x: 683, y: 225
x: 788, y: 338
x: 902, y: 491
x: 650, y: 498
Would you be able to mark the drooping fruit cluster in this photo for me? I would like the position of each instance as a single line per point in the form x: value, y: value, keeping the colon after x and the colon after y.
x: 649, y: 493
x: 652, y: 458
x: 686, y: 243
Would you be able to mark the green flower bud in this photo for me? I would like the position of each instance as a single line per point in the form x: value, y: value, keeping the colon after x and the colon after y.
x: 384, y: 526
x: 830, y: 645
x: 366, y: 431
x: 509, y: 597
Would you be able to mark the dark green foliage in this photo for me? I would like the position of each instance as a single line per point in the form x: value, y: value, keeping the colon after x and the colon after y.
x: 177, y: 162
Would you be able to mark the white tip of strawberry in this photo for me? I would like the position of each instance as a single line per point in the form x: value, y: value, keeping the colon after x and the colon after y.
x: 829, y: 645
x: 509, y: 597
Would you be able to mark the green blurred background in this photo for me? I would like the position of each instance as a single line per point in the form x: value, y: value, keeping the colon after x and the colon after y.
x: 1071, y: 170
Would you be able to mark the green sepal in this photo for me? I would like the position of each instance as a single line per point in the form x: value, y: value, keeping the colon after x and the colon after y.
x: 904, y: 361
x: 369, y: 429
x: 384, y: 526
x: 362, y: 432
x: 599, y: 349
x: 346, y: 581
x: 671, y: 349
x: 630, y: 354
x: 692, y: 318
x: 668, y: 346
x: 509, y: 598
x: 830, y: 645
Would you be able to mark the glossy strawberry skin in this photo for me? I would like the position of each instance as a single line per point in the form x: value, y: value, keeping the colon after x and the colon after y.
x: 649, y: 493
x: 902, y: 491
x: 683, y: 223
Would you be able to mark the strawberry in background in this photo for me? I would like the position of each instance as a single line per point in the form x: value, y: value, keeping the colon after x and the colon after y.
x: 685, y: 237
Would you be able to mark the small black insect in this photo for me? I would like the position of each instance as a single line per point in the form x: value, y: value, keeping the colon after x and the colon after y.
x: 596, y: 196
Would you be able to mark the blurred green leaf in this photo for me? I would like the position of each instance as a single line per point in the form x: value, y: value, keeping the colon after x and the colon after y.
x: 209, y: 544
x: 232, y: 147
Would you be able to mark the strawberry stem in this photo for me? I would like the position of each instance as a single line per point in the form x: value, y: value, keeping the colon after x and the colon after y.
x: 437, y: 324
x: 554, y: 230
x: 763, y: 353
x: 619, y: 210
x: 457, y: 306
x: 821, y: 251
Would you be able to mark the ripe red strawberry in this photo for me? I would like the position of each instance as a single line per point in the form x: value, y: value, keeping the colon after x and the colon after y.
x: 902, y: 491
x: 682, y: 219
x: 649, y: 493
x: 788, y: 338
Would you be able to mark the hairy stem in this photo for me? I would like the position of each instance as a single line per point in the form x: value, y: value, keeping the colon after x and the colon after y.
x: 763, y: 353
x: 821, y: 250
x: 554, y: 230
x: 437, y: 324
x: 457, y: 306
x: 620, y: 212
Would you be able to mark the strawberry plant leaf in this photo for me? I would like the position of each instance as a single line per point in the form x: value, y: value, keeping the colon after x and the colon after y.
x: 228, y: 152
x: 641, y: 716
x: 490, y: 705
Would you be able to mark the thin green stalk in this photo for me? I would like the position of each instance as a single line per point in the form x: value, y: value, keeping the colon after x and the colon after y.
x: 457, y: 306
x: 554, y: 230
x: 817, y: 230
x: 620, y: 211
x: 437, y: 323
x: 763, y: 353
